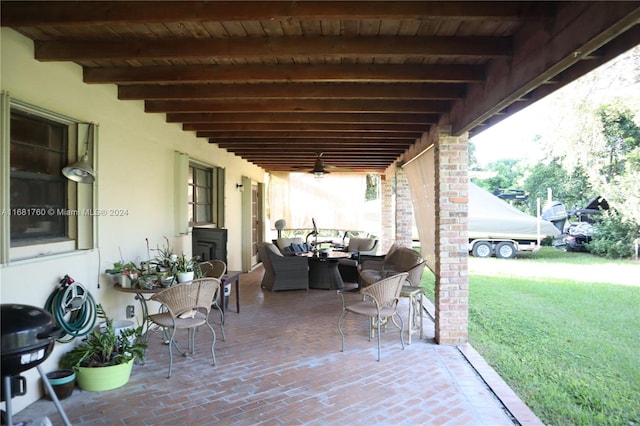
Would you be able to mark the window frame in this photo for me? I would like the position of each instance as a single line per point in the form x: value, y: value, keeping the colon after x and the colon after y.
x: 80, y: 229
x: 32, y: 178
x: 216, y: 195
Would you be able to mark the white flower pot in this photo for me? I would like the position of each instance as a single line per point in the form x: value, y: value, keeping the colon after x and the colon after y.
x: 185, y: 276
x: 125, y: 281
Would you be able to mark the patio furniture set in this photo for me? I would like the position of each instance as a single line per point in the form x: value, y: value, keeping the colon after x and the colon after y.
x: 382, y: 280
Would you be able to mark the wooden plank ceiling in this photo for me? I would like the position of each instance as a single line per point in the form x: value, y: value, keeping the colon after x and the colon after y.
x: 278, y: 83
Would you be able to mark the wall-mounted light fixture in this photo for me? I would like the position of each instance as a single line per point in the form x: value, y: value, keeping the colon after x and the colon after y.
x: 81, y: 171
x: 239, y: 186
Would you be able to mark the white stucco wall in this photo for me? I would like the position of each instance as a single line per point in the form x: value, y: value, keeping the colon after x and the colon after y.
x: 135, y: 160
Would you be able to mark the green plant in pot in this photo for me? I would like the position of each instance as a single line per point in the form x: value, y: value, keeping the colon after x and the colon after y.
x: 187, y: 268
x: 127, y: 273
x: 105, y: 358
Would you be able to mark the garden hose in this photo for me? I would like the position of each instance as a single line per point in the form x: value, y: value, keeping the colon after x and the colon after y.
x: 73, y: 308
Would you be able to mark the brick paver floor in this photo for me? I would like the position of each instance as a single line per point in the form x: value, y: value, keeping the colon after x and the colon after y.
x: 281, y: 365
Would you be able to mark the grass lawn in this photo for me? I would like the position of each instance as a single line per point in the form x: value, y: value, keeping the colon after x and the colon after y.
x: 569, y: 348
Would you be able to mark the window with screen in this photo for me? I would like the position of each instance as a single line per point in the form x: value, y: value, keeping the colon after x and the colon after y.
x: 38, y: 153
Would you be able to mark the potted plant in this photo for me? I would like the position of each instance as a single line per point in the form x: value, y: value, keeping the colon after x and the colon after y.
x: 127, y: 273
x: 164, y: 264
x: 105, y: 358
x: 186, y: 268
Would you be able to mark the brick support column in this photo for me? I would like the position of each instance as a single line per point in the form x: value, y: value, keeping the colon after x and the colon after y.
x: 387, y: 215
x: 452, y: 284
x: 404, y: 210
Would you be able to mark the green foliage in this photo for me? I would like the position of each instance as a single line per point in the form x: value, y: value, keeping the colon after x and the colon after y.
x: 373, y: 185
x: 614, y: 236
x: 104, y: 348
x: 572, y: 188
x: 185, y: 264
x: 508, y: 174
x: 473, y: 160
x: 621, y: 135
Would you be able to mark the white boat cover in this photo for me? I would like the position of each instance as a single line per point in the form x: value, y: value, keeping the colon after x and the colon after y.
x: 491, y: 217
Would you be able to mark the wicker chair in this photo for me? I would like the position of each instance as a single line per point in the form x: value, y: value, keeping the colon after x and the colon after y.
x: 283, y: 272
x: 401, y: 259
x: 216, y: 269
x: 357, y: 247
x: 213, y: 268
x: 380, y: 302
x: 186, y: 306
x: 414, y: 293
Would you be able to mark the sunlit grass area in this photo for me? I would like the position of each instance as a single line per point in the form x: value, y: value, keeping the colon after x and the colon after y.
x: 568, y: 347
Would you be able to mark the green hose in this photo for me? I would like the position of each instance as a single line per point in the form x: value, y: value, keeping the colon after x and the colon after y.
x: 80, y: 321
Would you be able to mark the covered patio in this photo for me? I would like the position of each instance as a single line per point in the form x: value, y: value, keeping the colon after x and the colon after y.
x: 281, y: 364
x: 242, y: 91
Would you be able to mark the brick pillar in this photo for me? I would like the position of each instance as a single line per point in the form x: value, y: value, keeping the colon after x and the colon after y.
x: 452, y: 284
x: 387, y: 215
x: 404, y: 210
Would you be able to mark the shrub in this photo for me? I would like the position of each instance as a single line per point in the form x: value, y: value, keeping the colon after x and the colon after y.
x: 614, y: 236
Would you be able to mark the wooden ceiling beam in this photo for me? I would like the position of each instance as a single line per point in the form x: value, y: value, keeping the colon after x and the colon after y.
x: 309, y: 134
x: 306, y: 162
x: 293, y: 90
x: 303, y: 117
x: 255, y: 154
x: 292, y: 105
x: 304, y: 127
x: 608, y: 52
x: 547, y: 51
x: 250, y: 49
x: 284, y: 73
x: 293, y: 142
x: 64, y: 13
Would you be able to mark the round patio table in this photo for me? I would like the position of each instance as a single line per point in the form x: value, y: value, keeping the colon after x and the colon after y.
x: 323, y: 270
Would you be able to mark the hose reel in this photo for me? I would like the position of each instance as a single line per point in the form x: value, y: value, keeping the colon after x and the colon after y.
x: 73, y: 309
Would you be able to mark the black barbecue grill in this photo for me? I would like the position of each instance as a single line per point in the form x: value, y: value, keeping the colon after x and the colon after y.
x: 28, y: 337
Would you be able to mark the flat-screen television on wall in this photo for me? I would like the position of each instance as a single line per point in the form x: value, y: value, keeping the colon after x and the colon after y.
x: 209, y: 243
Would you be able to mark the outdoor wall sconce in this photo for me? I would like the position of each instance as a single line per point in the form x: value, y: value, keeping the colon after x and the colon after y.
x: 81, y: 171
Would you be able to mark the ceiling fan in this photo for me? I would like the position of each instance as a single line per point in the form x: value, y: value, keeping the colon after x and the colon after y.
x: 319, y: 169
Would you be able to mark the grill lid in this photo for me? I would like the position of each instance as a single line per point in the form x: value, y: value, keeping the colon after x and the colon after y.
x: 26, y: 327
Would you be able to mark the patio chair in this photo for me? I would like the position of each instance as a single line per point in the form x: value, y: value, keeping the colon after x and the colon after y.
x: 401, y: 259
x: 380, y: 302
x: 186, y: 306
x: 412, y: 291
x: 357, y: 247
x: 216, y: 269
x: 283, y: 272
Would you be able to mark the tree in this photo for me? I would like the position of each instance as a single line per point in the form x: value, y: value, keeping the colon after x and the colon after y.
x: 572, y: 188
x: 600, y: 133
x: 508, y: 173
x: 621, y: 138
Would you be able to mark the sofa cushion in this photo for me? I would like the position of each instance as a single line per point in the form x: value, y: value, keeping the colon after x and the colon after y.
x: 283, y: 243
x: 273, y: 248
x: 361, y: 244
x: 299, y: 248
